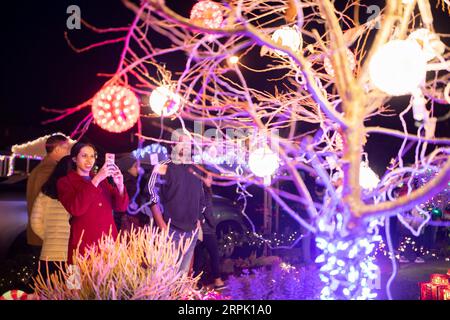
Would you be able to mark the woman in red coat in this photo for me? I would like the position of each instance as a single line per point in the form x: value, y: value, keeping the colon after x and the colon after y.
x: 90, y: 199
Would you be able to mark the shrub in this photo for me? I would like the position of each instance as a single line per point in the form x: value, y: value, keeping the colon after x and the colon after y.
x: 140, y: 264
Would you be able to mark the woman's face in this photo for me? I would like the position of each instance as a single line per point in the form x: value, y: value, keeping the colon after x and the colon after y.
x: 85, y: 160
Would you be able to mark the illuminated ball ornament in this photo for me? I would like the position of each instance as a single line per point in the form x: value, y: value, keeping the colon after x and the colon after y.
x: 263, y: 162
x: 207, y: 14
x: 288, y: 37
x: 115, y: 108
x: 398, y: 67
x: 164, y: 102
x: 351, y: 61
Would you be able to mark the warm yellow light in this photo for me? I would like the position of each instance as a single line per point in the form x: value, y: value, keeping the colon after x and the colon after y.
x: 233, y: 59
x: 398, y: 67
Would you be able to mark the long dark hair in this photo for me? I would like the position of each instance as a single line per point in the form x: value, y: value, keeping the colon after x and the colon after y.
x: 62, y: 169
x: 76, y: 150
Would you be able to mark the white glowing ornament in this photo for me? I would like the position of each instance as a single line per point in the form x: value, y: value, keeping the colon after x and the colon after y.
x: 367, y: 178
x: 207, y: 14
x: 351, y: 61
x: 263, y: 162
x: 288, y: 37
x: 115, y: 108
x: 164, y: 102
x: 398, y: 67
x: 430, y: 43
x: 418, y: 102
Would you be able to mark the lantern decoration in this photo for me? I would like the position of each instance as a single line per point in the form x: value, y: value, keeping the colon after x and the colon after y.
x: 398, y: 67
x: 263, y: 162
x: 419, y: 102
x: 351, y: 61
x: 115, y: 108
x: 164, y: 102
x: 438, y: 288
x: 14, y: 295
x: 207, y: 14
x: 288, y: 37
x: 368, y: 179
x: 429, y: 41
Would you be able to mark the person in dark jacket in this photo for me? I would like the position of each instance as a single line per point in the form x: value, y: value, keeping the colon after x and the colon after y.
x: 90, y: 199
x: 177, y: 196
x: 128, y: 165
x: 209, y: 241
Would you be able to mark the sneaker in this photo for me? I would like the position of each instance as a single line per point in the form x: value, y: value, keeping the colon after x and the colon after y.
x: 403, y: 259
x: 419, y: 260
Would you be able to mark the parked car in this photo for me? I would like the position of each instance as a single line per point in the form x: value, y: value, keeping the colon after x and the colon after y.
x: 231, y: 225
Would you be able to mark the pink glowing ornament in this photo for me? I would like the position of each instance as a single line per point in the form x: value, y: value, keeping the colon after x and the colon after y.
x: 351, y: 61
x: 207, y: 14
x: 115, y: 108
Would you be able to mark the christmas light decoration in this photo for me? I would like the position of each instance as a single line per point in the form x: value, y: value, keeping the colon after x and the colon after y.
x: 288, y: 37
x: 398, y: 67
x: 347, y: 270
x: 115, y: 108
x: 207, y: 14
x: 263, y: 162
x: 429, y: 41
x: 164, y: 102
x: 351, y: 62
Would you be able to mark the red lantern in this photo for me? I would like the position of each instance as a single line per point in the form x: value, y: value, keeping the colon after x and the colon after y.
x: 115, y: 108
x: 207, y: 14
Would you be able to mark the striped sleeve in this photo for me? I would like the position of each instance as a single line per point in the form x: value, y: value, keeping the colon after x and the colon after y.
x: 153, y: 182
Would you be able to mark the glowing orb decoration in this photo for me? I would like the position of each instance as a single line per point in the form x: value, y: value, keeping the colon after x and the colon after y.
x: 288, y: 37
x: 429, y: 41
x: 263, y: 162
x: 115, y: 108
x: 367, y: 178
x: 207, y: 14
x: 164, y: 102
x: 398, y: 67
x: 351, y: 61
x: 14, y: 295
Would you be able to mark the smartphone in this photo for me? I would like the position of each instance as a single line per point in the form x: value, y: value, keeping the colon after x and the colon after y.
x: 109, y: 158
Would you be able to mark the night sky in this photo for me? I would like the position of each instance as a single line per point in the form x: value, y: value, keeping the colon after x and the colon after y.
x: 40, y: 69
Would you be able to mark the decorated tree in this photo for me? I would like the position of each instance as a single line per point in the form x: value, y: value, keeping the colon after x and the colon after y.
x: 256, y: 73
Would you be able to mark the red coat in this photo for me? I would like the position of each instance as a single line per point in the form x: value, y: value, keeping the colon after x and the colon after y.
x: 91, y: 209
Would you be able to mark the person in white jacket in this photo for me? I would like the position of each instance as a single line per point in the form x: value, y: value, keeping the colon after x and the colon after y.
x: 50, y: 221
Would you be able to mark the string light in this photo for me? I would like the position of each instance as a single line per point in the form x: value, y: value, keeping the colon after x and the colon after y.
x: 347, y: 270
